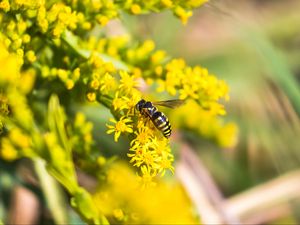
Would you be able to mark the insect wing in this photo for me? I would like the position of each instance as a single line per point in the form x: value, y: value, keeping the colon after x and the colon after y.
x: 174, y: 103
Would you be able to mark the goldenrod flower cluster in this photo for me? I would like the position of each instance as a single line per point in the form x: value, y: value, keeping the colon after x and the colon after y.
x: 165, y: 203
x: 52, y: 62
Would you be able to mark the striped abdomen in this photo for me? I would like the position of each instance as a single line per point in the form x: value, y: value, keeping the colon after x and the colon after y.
x: 162, y: 123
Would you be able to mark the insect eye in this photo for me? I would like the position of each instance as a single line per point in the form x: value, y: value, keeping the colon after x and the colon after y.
x: 140, y: 104
x: 137, y: 106
x: 148, y: 105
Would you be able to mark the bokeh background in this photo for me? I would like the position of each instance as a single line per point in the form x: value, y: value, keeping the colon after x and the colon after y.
x: 255, y: 47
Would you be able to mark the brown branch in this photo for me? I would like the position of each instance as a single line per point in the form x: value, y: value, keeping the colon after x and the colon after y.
x: 264, y: 203
x: 202, y: 189
x: 268, y: 201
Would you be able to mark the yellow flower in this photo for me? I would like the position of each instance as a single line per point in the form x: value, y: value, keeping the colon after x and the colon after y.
x: 5, y: 5
x: 189, y: 91
x: 142, y: 136
x: 7, y: 151
x: 183, y: 14
x: 69, y: 84
x: 94, y: 84
x: 143, y: 155
x: 135, y: 9
x: 167, y: 3
x: 196, y: 3
x: 107, y: 83
x: 131, y: 101
x: 151, y: 150
x: 127, y: 82
x: 120, y: 103
x: 118, y: 214
x: 19, y: 139
x: 147, y: 177
x: 120, y: 126
x: 102, y: 20
x: 30, y: 56
x: 91, y: 96
x: 115, y: 201
x: 158, y: 57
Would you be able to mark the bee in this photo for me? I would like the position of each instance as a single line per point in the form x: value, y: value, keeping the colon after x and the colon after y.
x: 159, y: 119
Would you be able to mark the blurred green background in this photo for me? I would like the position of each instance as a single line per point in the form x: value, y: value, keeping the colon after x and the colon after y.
x: 254, y: 46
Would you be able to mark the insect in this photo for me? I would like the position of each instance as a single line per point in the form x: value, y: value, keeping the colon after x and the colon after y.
x: 159, y: 119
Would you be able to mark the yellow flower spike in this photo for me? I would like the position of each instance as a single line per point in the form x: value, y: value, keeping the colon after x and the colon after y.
x: 135, y: 9
x: 120, y: 126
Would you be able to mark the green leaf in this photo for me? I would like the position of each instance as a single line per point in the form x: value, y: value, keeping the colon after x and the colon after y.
x: 56, y: 122
x: 52, y: 192
x: 276, y: 64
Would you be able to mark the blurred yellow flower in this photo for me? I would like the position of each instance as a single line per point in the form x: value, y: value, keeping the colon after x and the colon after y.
x: 7, y: 150
x: 135, y: 9
x: 162, y: 202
